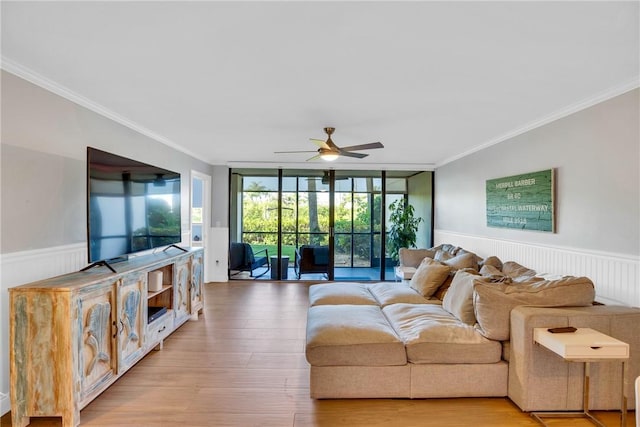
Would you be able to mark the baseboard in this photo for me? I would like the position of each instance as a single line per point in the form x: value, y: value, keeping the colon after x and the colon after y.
x: 5, y: 404
x: 616, y: 276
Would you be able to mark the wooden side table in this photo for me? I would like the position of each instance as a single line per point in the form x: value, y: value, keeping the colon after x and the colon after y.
x: 586, y: 346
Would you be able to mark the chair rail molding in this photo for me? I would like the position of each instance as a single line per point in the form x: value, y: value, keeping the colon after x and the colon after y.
x: 616, y: 276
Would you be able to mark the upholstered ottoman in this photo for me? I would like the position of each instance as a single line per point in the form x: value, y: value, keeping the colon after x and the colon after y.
x: 341, y: 293
x: 351, y: 349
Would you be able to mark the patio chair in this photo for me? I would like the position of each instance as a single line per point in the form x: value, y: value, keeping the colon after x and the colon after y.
x: 312, y: 259
x: 243, y: 258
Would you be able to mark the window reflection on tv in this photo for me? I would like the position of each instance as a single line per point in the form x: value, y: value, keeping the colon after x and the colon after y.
x: 132, y: 206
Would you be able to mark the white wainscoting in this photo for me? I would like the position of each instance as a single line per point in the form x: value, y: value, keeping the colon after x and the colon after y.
x: 217, y: 255
x: 5, y: 405
x: 23, y: 267
x: 616, y: 276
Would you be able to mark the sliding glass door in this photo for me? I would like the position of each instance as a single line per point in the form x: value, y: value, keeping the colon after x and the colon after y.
x: 357, y: 225
x: 322, y: 225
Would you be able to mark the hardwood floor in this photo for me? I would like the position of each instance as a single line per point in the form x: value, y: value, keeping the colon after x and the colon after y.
x: 242, y: 364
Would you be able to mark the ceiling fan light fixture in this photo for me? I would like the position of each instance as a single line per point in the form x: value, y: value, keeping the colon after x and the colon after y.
x: 329, y: 157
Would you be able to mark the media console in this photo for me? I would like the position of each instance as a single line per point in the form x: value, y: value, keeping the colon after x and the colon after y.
x: 73, y: 335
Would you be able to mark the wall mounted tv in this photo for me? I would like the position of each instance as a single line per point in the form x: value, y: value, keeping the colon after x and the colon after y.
x: 131, y: 207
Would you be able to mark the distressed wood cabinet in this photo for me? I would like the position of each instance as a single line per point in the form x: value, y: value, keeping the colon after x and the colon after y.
x: 72, y: 336
x: 196, y: 280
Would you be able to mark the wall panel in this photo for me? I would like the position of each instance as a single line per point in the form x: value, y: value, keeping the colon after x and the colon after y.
x: 616, y: 276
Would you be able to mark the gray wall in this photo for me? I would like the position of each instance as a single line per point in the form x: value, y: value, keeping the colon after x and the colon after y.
x: 596, y: 154
x: 220, y: 197
x: 44, y: 142
x: 419, y: 188
x: 43, y: 184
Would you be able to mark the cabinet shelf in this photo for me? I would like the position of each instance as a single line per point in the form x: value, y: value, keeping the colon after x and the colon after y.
x: 164, y: 289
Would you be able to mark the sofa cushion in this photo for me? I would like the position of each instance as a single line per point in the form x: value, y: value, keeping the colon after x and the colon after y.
x: 493, y: 302
x: 429, y: 276
x: 387, y: 293
x: 433, y: 335
x: 341, y: 293
x: 459, y: 298
x: 351, y: 335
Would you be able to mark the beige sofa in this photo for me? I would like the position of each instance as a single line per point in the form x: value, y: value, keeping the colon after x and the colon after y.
x: 398, y: 340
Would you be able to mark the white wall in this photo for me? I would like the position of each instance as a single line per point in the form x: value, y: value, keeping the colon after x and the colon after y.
x: 43, y: 187
x: 596, y: 154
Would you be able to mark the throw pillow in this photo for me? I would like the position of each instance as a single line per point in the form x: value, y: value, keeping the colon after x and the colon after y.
x: 493, y: 261
x: 429, y: 276
x: 466, y: 260
x: 459, y: 298
x: 442, y: 290
x: 493, y: 274
x: 442, y: 255
x: 517, y: 272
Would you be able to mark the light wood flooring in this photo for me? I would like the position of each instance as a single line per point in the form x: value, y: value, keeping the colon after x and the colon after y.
x: 242, y: 364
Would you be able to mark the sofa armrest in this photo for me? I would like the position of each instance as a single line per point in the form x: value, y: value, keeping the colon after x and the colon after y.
x: 411, y: 257
x: 540, y: 380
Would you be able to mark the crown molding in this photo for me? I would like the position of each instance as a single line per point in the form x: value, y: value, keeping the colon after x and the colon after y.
x: 567, y: 111
x: 333, y: 166
x: 39, y: 80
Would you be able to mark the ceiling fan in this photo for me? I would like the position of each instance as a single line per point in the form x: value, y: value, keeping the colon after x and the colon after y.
x: 325, y: 178
x: 329, y: 151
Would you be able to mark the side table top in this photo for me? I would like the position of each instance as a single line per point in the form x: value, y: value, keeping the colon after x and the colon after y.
x: 582, y: 345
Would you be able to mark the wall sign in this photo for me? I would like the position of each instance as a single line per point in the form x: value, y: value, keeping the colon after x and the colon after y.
x: 522, y: 201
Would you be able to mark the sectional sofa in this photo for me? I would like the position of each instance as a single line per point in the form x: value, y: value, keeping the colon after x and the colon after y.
x: 461, y: 327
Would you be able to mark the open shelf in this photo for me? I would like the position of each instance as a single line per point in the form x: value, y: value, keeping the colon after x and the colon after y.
x: 165, y: 288
x: 160, y: 302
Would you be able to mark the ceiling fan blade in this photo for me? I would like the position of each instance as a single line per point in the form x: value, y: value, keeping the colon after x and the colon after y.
x: 287, y: 152
x: 317, y: 156
x: 350, y: 154
x: 370, y: 146
x: 320, y: 143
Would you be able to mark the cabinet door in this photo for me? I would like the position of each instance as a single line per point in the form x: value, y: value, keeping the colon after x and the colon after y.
x: 195, y: 292
x: 131, y: 289
x: 181, y: 288
x: 97, y: 361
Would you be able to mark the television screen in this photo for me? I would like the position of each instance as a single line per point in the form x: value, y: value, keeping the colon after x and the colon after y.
x: 131, y: 206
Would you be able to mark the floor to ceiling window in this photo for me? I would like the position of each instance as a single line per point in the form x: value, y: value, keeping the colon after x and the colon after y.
x: 322, y: 225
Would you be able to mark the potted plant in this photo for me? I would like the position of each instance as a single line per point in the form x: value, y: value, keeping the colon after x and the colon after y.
x: 402, y: 228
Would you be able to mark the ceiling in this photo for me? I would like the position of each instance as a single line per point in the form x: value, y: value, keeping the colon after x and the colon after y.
x: 232, y: 82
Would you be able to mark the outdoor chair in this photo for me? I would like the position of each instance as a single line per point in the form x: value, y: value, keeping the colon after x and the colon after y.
x: 312, y: 259
x: 243, y: 258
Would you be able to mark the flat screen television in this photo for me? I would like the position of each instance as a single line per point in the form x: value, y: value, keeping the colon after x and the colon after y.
x: 131, y: 206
